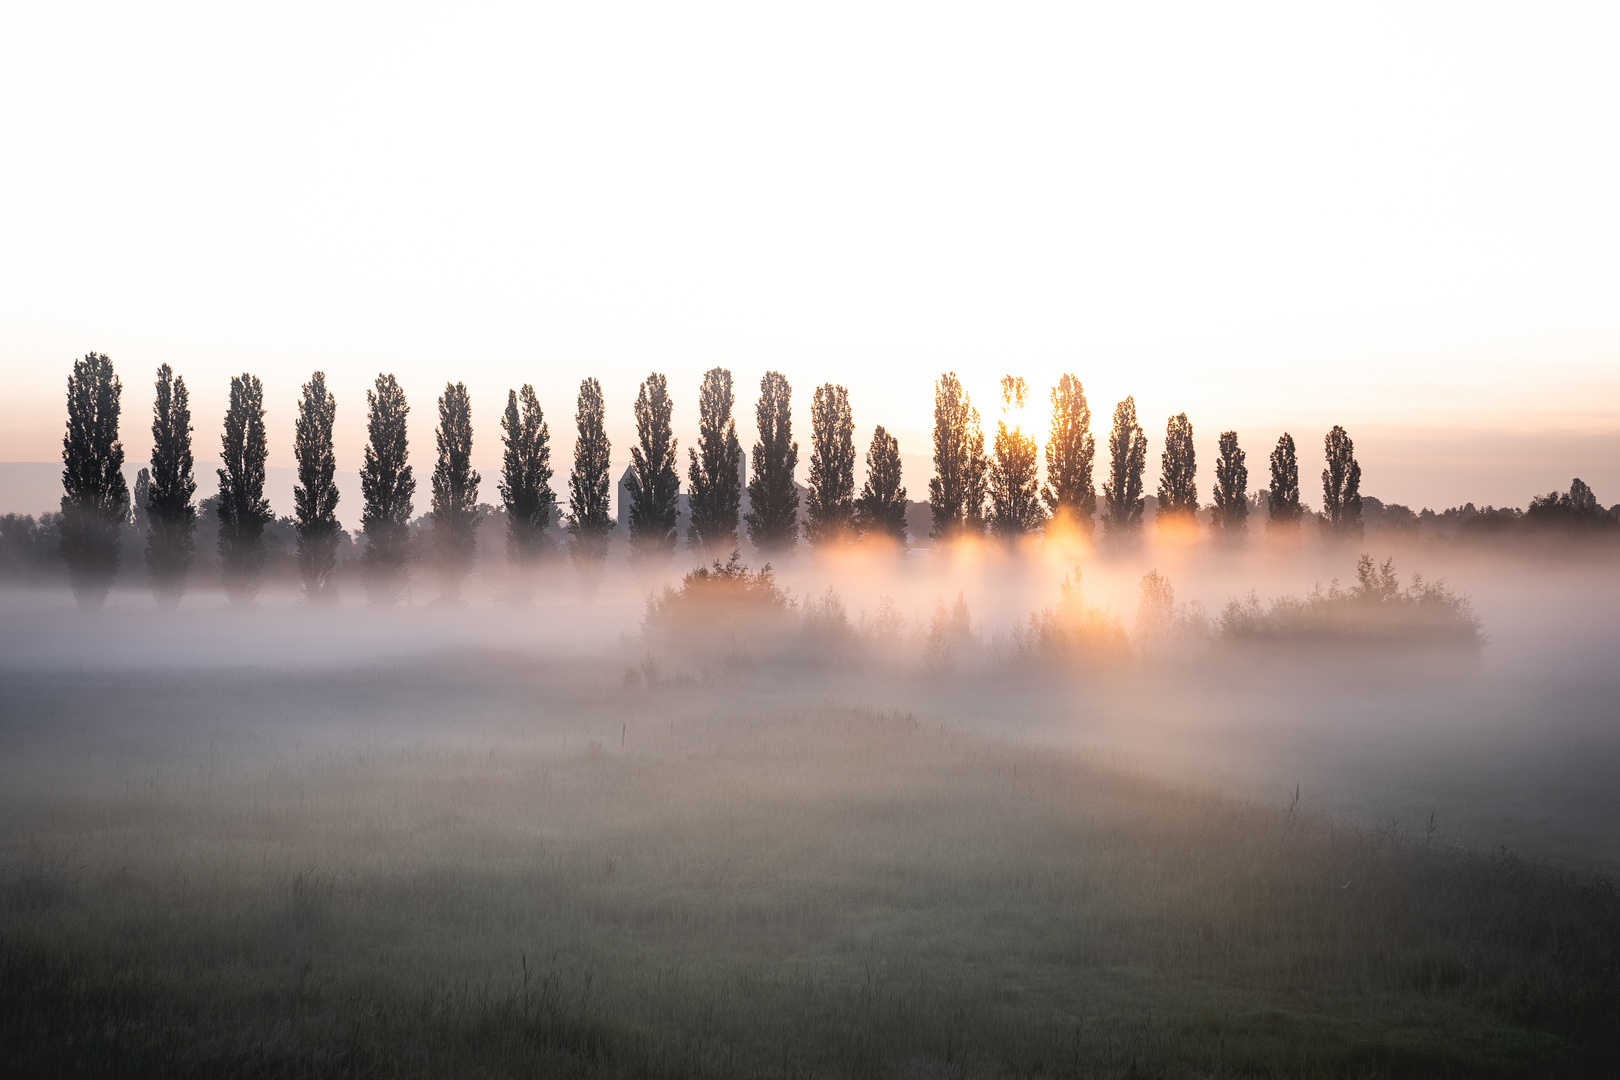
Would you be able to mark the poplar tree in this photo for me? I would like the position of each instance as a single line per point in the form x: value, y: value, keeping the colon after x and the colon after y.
x: 653, y: 485
x: 1341, y: 484
x: 1127, y: 459
x: 315, y: 496
x: 1178, y: 476
x: 95, y: 496
x: 1230, y: 515
x: 171, y: 513
x: 1070, y: 453
x: 387, y: 486
x: 243, y: 509
x: 137, y: 508
x: 881, y: 508
x: 454, y: 514
x: 589, y: 520
x: 1282, y: 501
x: 525, y: 483
x: 773, y: 517
x: 830, y: 503
x: 1015, y: 499
x: 956, y: 493
x: 714, y: 472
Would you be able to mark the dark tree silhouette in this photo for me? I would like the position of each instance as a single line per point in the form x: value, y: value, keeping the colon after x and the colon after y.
x: 1341, y: 484
x: 171, y: 513
x: 454, y: 515
x: 1014, y: 480
x: 1231, y: 512
x: 957, y: 490
x: 1178, y: 476
x: 1127, y: 459
x: 1576, y: 509
x: 137, y: 508
x: 773, y: 517
x: 315, y: 496
x: 1071, y: 451
x: 714, y: 472
x: 95, y: 496
x: 387, y: 485
x: 589, y: 520
x: 881, y: 508
x: 525, y: 483
x: 652, y: 484
x: 830, y: 503
x: 243, y: 510
x: 1282, y: 501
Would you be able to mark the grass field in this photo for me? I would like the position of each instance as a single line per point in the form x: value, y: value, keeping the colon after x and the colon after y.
x: 481, y: 867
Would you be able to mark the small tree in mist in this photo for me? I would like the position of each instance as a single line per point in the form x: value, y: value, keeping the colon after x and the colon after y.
x: 1178, y: 476
x: 1282, y: 503
x: 137, y: 508
x: 243, y: 509
x: 1231, y: 512
x: 1127, y: 458
x: 715, y: 471
x: 1071, y: 451
x: 525, y: 483
x: 454, y: 515
x: 830, y: 503
x: 773, y: 517
x: 881, y: 508
x: 652, y: 484
x: 589, y: 520
x: 315, y: 496
x: 171, y: 515
x: 957, y: 491
x: 1015, y: 499
x: 95, y: 496
x: 1341, y: 484
x: 387, y: 485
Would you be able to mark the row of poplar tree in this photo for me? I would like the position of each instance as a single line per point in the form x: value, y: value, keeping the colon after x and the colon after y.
x: 971, y: 493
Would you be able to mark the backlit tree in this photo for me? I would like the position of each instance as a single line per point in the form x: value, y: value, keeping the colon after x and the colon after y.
x: 881, y: 508
x: 455, y: 514
x: 1014, y: 481
x: 243, y: 509
x: 830, y: 502
x: 315, y: 496
x: 95, y: 496
x: 714, y: 473
x: 171, y: 513
x: 388, y: 487
x: 652, y: 484
x: 1127, y: 459
x: 773, y: 517
x: 1071, y: 451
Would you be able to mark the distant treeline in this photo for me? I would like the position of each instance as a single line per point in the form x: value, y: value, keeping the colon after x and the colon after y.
x: 995, y: 494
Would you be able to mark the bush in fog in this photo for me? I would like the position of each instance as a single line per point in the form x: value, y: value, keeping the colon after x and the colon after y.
x: 455, y: 514
x: 1071, y: 631
x: 881, y: 509
x: 1071, y: 451
x: 829, y: 504
x: 825, y: 620
x: 1162, y: 625
x: 1576, y: 509
x: 720, y: 609
x: 1341, y: 484
x: 1015, y: 492
x: 388, y: 487
x: 589, y: 521
x: 1230, y: 513
x: 773, y: 516
x: 171, y: 515
x: 243, y: 509
x: 29, y: 548
x: 948, y: 637
x: 95, y: 496
x: 1282, y: 498
x: 1178, y: 477
x: 652, y: 484
x: 315, y: 497
x: 1375, y: 609
x: 1127, y: 458
x: 956, y: 493
x: 714, y: 472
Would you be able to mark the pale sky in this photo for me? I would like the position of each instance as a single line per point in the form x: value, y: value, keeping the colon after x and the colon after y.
x: 1404, y: 218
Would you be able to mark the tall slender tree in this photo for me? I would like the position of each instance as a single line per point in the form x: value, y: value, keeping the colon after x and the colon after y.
x: 714, y: 472
x: 1178, y: 476
x: 881, y: 509
x: 243, y: 509
x: 1230, y: 515
x: 589, y: 519
x: 1282, y: 500
x: 957, y: 491
x: 137, y: 509
x: 171, y: 513
x: 1341, y: 484
x: 1127, y: 459
x: 653, y: 485
x: 525, y: 484
x: 455, y: 514
x: 773, y: 517
x: 1015, y: 498
x: 388, y: 486
x: 315, y: 496
x: 830, y: 501
x: 1070, y: 453
x: 95, y: 496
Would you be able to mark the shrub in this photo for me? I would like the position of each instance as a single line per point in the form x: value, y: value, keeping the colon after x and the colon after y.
x: 719, y: 607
